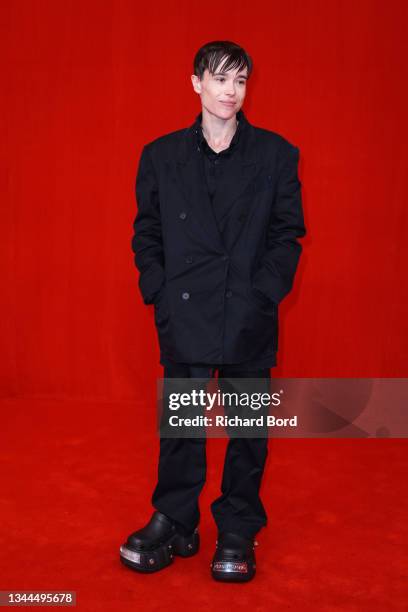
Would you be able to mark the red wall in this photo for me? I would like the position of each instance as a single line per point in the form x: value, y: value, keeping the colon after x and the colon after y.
x: 87, y: 83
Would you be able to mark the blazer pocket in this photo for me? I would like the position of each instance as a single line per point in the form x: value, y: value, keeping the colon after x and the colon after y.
x: 158, y: 295
x: 262, y: 302
x: 161, y: 309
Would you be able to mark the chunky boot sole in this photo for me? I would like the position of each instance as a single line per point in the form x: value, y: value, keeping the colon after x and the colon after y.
x: 148, y: 561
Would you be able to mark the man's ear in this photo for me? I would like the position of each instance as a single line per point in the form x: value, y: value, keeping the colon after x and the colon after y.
x: 196, y: 83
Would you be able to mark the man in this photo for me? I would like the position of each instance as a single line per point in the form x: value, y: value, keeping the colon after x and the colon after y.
x: 216, y: 244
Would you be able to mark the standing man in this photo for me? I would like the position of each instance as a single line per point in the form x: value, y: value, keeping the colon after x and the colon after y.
x: 216, y: 245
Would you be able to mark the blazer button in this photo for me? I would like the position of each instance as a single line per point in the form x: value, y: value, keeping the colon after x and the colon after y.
x: 189, y: 259
x: 183, y: 215
x: 225, y: 258
x: 185, y: 295
x: 228, y: 294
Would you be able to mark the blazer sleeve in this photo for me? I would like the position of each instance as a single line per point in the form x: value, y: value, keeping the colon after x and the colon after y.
x: 147, y: 243
x: 276, y: 272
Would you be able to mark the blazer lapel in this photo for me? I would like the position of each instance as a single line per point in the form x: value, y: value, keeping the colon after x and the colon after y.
x: 236, y: 180
x: 191, y: 178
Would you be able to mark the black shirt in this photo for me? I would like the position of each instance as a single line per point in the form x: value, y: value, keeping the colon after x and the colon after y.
x: 214, y: 163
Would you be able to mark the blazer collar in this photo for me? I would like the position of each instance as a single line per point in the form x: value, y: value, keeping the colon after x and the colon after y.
x: 246, y: 150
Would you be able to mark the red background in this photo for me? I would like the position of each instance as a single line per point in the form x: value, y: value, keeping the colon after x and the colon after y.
x: 85, y: 84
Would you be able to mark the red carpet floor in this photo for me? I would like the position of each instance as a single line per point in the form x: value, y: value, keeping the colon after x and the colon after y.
x: 77, y: 478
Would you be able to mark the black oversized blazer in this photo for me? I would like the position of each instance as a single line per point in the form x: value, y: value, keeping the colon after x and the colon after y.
x: 216, y: 295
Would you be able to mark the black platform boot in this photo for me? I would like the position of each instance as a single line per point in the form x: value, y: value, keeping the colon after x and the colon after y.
x: 152, y: 548
x: 234, y: 558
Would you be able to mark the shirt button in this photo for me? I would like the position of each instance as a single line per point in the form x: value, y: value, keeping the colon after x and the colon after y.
x: 216, y: 161
x: 228, y: 294
x: 185, y: 295
x: 183, y: 215
x: 189, y: 259
x: 225, y: 257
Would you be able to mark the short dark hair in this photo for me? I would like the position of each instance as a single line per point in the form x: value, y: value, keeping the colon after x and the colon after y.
x: 212, y: 54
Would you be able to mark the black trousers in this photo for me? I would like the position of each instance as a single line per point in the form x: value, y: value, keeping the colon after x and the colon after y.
x: 182, y: 469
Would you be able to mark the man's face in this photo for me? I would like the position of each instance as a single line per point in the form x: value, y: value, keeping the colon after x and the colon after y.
x: 222, y: 93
